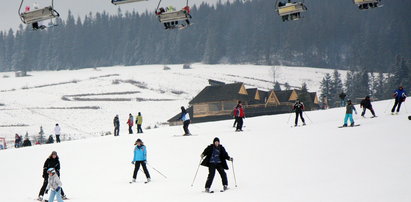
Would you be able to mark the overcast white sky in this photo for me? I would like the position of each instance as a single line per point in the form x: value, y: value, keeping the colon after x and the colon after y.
x: 9, y: 16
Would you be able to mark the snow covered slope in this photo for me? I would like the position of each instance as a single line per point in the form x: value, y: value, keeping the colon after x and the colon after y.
x: 85, y: 101
x: 273, y: 162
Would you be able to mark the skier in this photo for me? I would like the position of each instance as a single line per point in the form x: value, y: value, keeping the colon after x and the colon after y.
x: 26, y: 142
x: 116, y: 123
x: 51, y: 162
x: 215, y: 157
x: 140, y: 158
x: 399, y: 96
x: 17, y: 141
x: 57, y: 132
x: 139, y: 122
x: 235, y: 119
x: 160, y: 11
x: 348, y: 114
x: 54, y: 184
x: 130, y: 123
x: 50, y: 140
x: 298, y: 109
x: 185, y: 117
x: 366, y: 104
x: 239, y: 116
x: 342, y: 98
x: 36, y: 25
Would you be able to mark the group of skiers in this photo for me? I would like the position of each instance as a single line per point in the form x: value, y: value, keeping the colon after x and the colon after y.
x: 130, y: 122
x: 214, y: 157
x: 19, y: 142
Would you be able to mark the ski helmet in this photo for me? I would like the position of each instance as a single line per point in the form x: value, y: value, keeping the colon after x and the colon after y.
x: 51, y: 170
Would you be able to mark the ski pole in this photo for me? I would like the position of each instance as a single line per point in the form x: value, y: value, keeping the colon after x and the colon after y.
x: 308, y: 117
x: 157, y: 171
x: 235, y: 179
x: 289, y: 117
x: 386, y: 108
x: 195, y: 176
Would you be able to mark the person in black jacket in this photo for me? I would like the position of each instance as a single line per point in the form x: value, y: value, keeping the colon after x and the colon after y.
x: 116, y: 123
x: 298, y: 109
x: 51, y: 162
x: 366, y: 104
x: 215, y: 157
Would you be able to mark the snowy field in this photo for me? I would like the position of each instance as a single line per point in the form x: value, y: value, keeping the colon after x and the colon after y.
x: 84, y: 102
x: 273, y: 162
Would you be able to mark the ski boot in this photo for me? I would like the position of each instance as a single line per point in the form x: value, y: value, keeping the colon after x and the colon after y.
x: 207, y: 190
x: 133, y: 181
x: 64, y: 197
x: 148, y: 180
x: 225, y: 188
x: 304, y: 124
x: 345, y: 125
x: 352, y: 124
x: 40, y: 198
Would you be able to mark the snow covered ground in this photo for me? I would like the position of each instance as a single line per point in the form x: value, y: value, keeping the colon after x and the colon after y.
x: 273, y: 162
x: 79, y: 100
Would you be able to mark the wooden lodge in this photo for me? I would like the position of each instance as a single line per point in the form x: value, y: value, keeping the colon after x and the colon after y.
x: 217, y: 101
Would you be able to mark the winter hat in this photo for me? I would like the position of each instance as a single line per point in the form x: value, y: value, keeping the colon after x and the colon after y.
x: 138, y: 140
x: 51, y: 170
x: 54, y: 153
x: 216, y: 140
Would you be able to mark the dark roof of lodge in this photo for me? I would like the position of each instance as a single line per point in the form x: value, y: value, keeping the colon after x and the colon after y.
x: 220, y: 93
x: 283, y: 95
x: 251, y: 93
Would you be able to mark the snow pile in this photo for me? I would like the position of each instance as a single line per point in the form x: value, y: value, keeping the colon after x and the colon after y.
x: 273, y: 162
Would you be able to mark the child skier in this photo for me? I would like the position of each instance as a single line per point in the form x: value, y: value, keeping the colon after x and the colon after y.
x: 130, y: 123
x: 140, y: 158
x: 54, y: 184
x: 215, y: 157
x: 348, y: 114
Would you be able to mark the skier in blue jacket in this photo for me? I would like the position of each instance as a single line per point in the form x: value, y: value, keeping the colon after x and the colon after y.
x: 399, y: 96
x: 140, y: 158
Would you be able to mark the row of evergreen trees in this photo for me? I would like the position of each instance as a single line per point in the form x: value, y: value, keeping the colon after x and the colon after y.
x: 333, y: 33
x: 362, y: 82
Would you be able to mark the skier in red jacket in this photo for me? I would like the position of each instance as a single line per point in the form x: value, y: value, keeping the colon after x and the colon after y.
x: 239, y: 116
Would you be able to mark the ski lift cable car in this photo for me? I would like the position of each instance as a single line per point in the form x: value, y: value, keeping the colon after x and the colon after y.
x: 46, y: 13
x: 365, y: 4
x: 290, y: 9
x: 172, y: 16
x: 119, y: 2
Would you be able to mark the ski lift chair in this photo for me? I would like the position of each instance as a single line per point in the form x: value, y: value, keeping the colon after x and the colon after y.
x: 291, y: 9
x: 118, y: 2
x: 37, y: 15
x: 365, y: 4
x: 173, y: 16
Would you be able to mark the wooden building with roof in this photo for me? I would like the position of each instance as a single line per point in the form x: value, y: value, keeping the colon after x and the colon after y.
x: 217, y: 101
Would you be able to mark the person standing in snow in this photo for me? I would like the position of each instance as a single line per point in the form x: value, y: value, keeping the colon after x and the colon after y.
x: 298, y: 109
x: 51, y: 162
x: 348, y: 114
x: 26, y: 142
x: 366, y: 104
x: 54, y: 184
x: 139, y: 122
x: 140, y: 158
x: 185, y: 117
x: 215, y: 157
x: 130, y: 123
x: 116, y: 123
x: 17, y: 141
x: 239, y: 116
x: 399, y: 95
x: 342, y: 98
x: 57, y: 132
